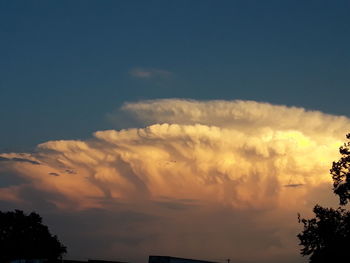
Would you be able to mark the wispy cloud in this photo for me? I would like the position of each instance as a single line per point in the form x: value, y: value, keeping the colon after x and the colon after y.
x: 146, y: 73
x: 17, y: 159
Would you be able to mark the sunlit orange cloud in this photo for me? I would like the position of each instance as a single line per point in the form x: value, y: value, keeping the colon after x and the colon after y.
x: 238, y: 155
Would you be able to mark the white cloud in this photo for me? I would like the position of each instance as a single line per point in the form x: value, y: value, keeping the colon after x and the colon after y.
x: 195, y: 161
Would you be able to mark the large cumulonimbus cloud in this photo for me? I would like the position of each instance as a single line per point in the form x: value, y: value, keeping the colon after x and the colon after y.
x: 240, y: 155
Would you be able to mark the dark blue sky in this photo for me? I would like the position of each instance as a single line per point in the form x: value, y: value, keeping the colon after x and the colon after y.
x: 65, y: 64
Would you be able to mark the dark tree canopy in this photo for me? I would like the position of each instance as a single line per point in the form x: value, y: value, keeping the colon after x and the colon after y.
x: 341, y: 174
x: 25, y: 237
x: 326, y: 237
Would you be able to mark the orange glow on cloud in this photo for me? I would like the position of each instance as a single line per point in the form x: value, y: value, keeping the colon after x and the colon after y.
x: 240, y: 155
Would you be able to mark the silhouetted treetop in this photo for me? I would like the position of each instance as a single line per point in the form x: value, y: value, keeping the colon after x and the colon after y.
x: 341, y: 174
x: 326, y: 237
x: 25, y: 237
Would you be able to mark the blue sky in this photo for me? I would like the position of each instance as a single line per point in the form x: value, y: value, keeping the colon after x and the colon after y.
x: 232, y: 172
x: 66, y: 64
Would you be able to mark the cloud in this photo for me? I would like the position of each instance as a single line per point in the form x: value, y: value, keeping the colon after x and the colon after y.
x: 233, y: 173
x: 17, y: 159
x: 237, y: 114
x: 149, y: 73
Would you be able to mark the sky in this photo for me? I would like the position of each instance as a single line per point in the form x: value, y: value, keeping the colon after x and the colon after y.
x: 186, y: 128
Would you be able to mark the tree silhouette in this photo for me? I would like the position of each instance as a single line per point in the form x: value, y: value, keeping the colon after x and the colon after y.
x: 341, y: 174
x: 326, y: 237
x: 25, y: 237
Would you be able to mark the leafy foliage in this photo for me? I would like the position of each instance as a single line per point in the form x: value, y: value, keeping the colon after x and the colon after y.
x: 327, y: 236
x: 341, y: 174
x: 25, y: 237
